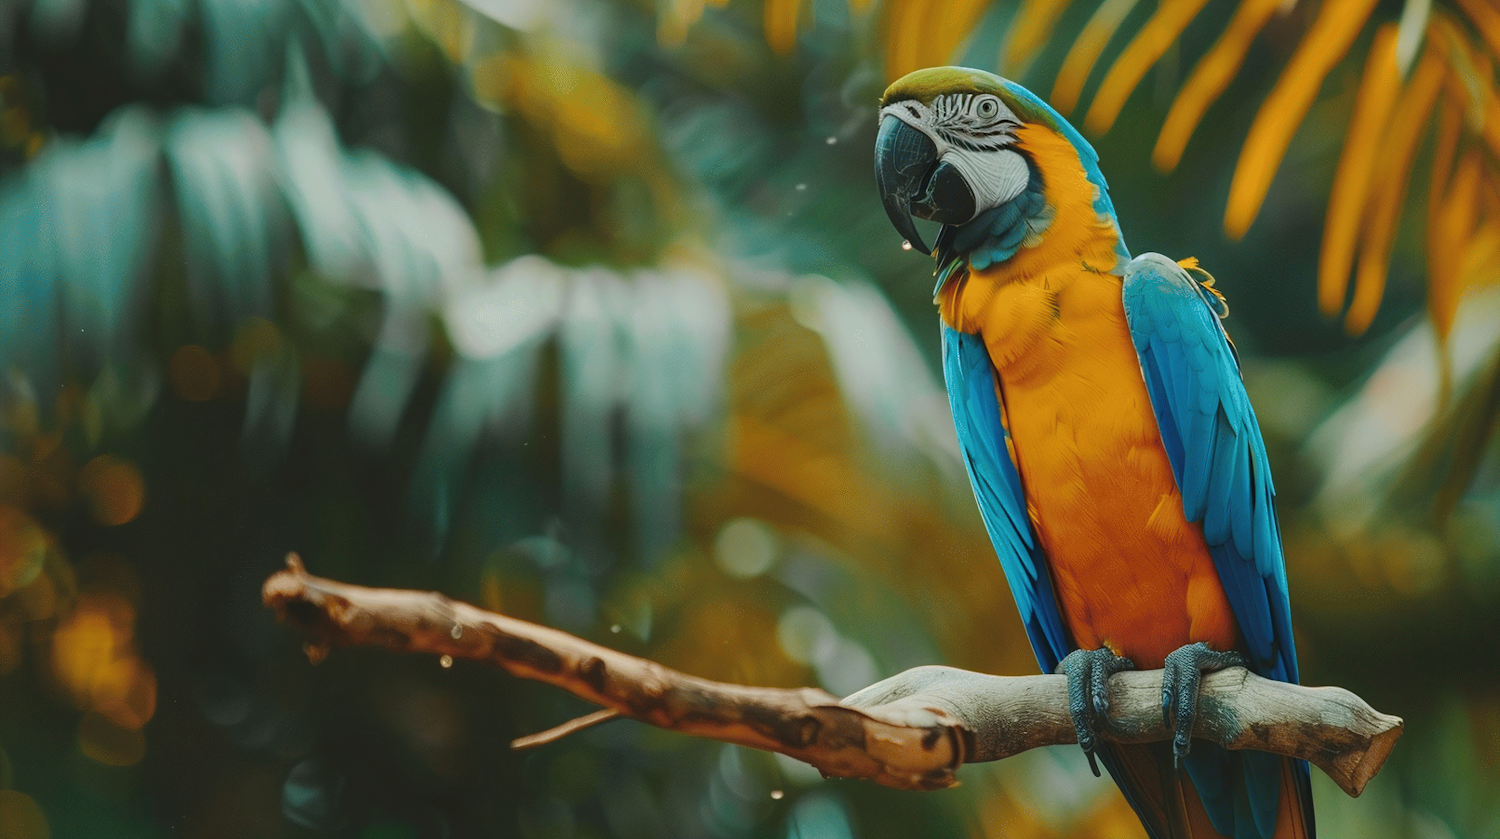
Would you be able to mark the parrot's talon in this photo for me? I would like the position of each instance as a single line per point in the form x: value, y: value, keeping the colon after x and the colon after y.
x: 1182, y: 677
x: 1088, y: 673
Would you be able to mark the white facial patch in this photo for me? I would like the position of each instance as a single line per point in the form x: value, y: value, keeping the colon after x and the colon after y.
x: 995, y: 176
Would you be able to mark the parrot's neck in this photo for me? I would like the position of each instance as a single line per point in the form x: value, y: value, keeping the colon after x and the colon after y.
x: 1058, y: 227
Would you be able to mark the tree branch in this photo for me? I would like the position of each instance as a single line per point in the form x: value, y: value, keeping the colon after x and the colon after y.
x: 911, y: 731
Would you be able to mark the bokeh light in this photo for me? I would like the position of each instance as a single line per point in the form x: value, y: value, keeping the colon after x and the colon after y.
x: 115, y: 489
x: 21, y: 817
x: 194, y: 373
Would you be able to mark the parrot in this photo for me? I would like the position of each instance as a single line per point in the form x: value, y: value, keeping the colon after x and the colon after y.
x: 1107, y: 436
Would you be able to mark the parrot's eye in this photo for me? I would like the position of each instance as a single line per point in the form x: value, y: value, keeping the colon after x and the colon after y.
x: 988, y: 107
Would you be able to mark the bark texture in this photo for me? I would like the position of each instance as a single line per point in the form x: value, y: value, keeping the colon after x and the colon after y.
x: 911, y: 731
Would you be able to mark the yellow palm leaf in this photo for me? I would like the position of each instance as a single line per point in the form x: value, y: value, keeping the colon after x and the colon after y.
x: 1400, y: 146
x: 1084, y: 53
x: 1483, y: 253
x: 1448, y: 238
x: 1486, y: 20
x: 781, y: 24
x: 1444, y: 148
x: 923, y: 33
x: 1030, y: 30
x: 1209, y: 79
x: 1325, y: 43
x: 1364, y: 143
x: 1144, y: 50
x: 955, y: 20
x: 1449, y: 235
x: 1491, y: 104
x: 904, y: 31
x: 675, y: 18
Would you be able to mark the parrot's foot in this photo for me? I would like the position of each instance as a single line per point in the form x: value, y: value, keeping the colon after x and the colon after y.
x: 1182, y: 676
x: 1088, y: 673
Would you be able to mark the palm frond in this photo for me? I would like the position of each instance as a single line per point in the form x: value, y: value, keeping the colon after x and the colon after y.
x: 1445, y: 149
x: 1029, y: 32
x: 80, y: 228
x: 1145, y: 49
x: 1209, y: 79
x: 1389, y: 194
x: 921, y: 33
x: 781, y: 24
x: 1364, y: 211
x: 225, y: 177
x: 1353, y: 180
x: 1450, y: 232
x: 1330, y: 36
x: 1486, y: 19
x: 1085, y: 52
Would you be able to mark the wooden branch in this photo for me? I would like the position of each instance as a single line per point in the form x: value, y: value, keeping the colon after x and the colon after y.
x: 911, y: 731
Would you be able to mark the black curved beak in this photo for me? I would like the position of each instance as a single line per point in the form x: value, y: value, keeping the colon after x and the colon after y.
x: 904, y: 157
x: 913, y: 182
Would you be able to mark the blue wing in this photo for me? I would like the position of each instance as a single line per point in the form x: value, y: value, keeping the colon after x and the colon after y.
x: 984, y: 440
x: 1216, y: 450
x: 1219, y: 461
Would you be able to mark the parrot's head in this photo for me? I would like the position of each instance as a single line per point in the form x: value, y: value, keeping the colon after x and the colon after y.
x: 952, y: 149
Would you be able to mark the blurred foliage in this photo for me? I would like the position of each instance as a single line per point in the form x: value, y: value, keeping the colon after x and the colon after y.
x: 586, y: 311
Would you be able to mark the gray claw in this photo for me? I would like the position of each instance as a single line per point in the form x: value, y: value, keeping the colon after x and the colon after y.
x: 1088, y: 673
x: 1182, y: 677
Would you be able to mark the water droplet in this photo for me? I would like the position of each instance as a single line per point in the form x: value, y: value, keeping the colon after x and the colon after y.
x: 457, y: 632
x: 801, y: 187
x: 445, y: 662
x: 831, y: 140
x: 905, y: 245
x: 615, y: 629
x: 777, y: 794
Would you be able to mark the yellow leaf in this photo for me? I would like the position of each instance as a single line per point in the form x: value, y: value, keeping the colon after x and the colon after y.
x: 1449, y: 234
x: 1483, y: 252
x: 1443, y: 150
x: 1491, y: 104
x: 1325, y: 43
x: 781, y: 24
x: 1164, y: 27
x: 673, y: 21
x: 1363, y: 144
x: 949, y: 23
x: 595, y: 124
x: 903, y: 36
x: 449, y: 25
x: 1468, y: 68
x: 1084, y: 53
x: 1450, y: 223
x: 925, y: 33
x: 1412, y: 111
x: 1209, y: 79
x: 1486, y: 20
x: 1029, y: 32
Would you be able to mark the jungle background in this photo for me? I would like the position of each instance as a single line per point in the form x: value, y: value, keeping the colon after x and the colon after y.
x: 588, y: 312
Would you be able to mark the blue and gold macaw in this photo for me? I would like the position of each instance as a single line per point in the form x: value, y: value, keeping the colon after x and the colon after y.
x: 1107, y: 435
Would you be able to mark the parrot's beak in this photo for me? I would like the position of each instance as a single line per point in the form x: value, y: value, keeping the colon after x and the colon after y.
x: 913, y: 182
